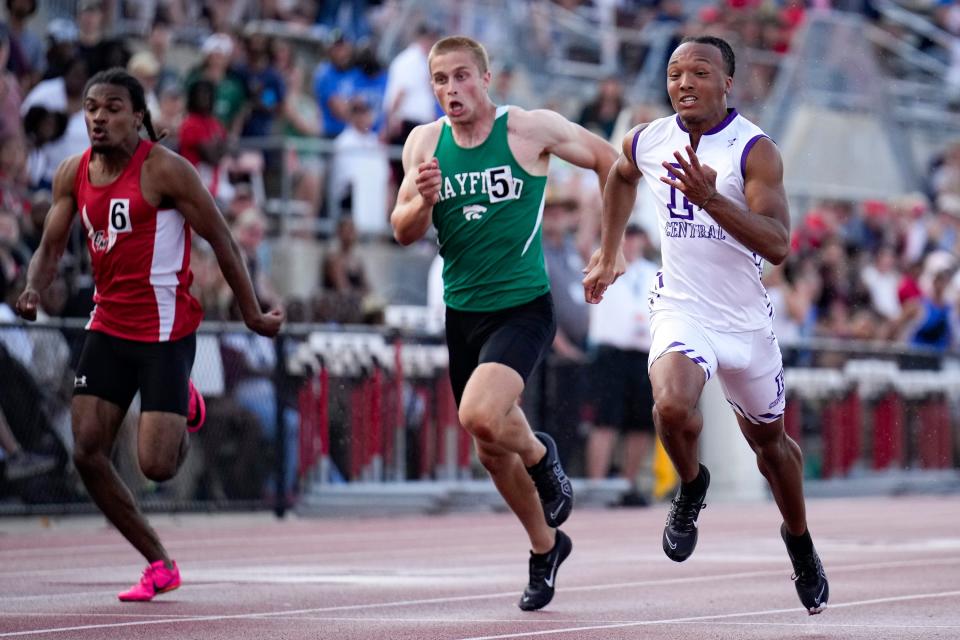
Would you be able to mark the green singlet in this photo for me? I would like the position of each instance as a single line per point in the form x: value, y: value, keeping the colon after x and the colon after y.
x: 488, y: 224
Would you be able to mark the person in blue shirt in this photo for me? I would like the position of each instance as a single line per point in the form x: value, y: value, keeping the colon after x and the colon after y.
x: 930, y: 315
x: 265, y: 87
x: 334, y: 84
x: 371, y: 84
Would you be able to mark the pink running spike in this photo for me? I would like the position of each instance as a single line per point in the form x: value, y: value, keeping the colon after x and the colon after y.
x: 156, y: 579
x: 196, y: 410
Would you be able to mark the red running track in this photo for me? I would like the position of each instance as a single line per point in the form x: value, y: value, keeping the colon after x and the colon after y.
x: 893, y: 564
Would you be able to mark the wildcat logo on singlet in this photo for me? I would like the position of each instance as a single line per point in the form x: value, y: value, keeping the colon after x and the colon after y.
x: 497, y: 182
x: 474, y: 211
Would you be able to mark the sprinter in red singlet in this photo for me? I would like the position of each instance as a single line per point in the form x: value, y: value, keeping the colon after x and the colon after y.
x: 137, y: 202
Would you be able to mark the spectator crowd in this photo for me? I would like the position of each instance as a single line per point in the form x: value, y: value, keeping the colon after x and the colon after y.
x: 222, y: 75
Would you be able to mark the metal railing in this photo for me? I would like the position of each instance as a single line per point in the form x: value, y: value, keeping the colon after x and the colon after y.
x: 832, y: 67
x: 278, y: 200
x: 372, y: 407
x: 320, y: 412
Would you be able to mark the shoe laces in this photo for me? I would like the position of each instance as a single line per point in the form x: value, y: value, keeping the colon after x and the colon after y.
x: 147, y: 576
x: 539, y: 567
x: 683, y: 513
x: 807, y: 570
x: 547, y: 483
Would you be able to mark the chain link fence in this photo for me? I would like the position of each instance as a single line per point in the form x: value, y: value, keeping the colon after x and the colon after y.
x: 262, y: 440
x: 362, y: 406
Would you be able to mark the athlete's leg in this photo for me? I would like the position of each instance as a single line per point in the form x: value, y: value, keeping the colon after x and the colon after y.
x: 506, y: 445
x: 682, y: 360
x: 677, y: 383
x: 513, y: 482
x: 161, y: 444
x: 491, y: 357
x: 489, y: 410
x: 95, y: 425
x: 758, y: 395
x: 164, y: 379
x: 106, y: 381
x: 781, y: 463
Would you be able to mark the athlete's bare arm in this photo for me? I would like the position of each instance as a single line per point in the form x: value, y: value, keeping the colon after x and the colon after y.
x: 56, y: 231
x: 536, y: 135
x: 555, y: 135
x: 619, y: 195
x: 177, y: 182
x: 764, y: 226
x: 420, y: 189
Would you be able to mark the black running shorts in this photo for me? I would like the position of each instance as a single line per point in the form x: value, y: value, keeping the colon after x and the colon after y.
x: 516, y: 337
x: 115, y: 369
x: 622, y: 394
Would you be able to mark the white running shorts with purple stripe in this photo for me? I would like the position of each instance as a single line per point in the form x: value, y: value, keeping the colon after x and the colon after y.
x: 748, y: 364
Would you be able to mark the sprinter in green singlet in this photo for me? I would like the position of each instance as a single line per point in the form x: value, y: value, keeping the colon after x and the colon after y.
x: 478, y: 174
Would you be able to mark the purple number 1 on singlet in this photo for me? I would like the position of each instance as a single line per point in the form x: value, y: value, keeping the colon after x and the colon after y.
x: 673, y: 201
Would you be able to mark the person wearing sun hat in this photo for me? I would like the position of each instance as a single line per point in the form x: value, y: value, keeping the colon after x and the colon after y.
x: 230, y: 93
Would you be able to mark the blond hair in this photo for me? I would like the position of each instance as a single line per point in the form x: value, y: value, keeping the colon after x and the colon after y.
x: 461, y: 43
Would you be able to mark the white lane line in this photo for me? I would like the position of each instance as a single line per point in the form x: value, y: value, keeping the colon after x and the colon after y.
x: 820, y: 624
x: 262, y: 614
x: 267, y: 562
x: 519, y: 621
x: 531, y: 620
x: 480, y: 555
x: 831, y: 569
x: 257, y: 575
x: 644, y: 623
x: 511, y: 594
x: 317, y: 539
x: 489, y: 556
x: 112, y: 593
x: 89, y: 614
x: 535, y: 621
x: 639, y: 623
x: 237, y: 577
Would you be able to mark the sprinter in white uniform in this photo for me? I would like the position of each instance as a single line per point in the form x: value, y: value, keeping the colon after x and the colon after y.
x: 718, y: 182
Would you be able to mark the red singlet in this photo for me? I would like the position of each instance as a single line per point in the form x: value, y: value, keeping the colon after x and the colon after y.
x: 141, y: 258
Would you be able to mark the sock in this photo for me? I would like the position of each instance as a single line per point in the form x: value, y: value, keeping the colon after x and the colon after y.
x: 799, y: 545
x: 696, y: 487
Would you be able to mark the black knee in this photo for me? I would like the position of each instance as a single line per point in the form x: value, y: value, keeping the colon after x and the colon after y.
x: 86, y: 459
x: 770, y: 448
x: 158, y: 470
x: 671, y: 411
x: 88, y: 455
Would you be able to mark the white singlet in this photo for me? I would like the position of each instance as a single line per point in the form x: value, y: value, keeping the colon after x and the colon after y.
x: 708, y: 302
x: 707, y: 274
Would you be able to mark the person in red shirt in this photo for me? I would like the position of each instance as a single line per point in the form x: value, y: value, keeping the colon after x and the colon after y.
x: 203, y: 140
x: 138, y: 202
